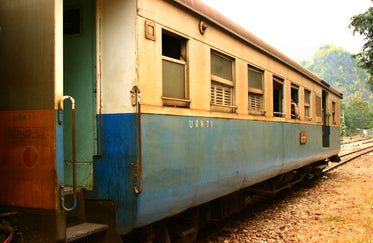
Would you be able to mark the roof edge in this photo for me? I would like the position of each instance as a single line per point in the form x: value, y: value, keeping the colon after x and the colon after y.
x: 225, y: 23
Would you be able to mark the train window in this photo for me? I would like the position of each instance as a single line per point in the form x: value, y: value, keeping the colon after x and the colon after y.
x: 222, y: 83
x: 174, y: 70
x: 333, y: 113
x: 278, y: 96
x: 295, y: 99
x: 255, y: 95
x: 71, y: 22
x: 307, y: 105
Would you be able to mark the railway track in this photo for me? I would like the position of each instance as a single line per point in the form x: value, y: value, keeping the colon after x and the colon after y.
x: 350, y: 156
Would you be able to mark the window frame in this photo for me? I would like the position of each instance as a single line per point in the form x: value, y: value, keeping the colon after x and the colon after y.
x: 334, y: 120
x: 296, y: 101
x: 307, y: 105
x: 255, y: 92
x: 176, y: 101
x: 282, y: 113
x: 224, y: 84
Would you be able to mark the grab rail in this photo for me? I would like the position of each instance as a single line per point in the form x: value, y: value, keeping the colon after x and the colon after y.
x: 62, y: 194
x: 136, y: 101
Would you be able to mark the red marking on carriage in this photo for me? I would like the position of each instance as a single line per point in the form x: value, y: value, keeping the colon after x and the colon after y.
x: 30, y: 157
x: 303, y: 137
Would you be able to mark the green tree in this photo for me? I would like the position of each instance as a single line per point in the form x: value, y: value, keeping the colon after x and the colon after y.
x: 338, y: 67
x: 357, y: 115
x: 363, y: 24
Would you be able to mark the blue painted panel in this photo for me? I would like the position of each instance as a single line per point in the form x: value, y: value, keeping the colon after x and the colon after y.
x: 59, y: 150
x: 115, y: 170
x: 191, y: 160
x: 188, y: 161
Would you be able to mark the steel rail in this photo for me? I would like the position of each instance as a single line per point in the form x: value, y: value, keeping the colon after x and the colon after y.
x: 369, y: 150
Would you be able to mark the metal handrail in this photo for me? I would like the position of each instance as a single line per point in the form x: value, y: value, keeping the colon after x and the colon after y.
x: 62, y: 194
x: 136, y: 101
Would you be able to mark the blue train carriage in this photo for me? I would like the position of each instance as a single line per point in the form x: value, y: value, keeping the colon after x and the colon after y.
x: 138, y: 118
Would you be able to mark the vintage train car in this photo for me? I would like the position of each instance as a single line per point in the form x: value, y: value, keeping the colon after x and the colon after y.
x: 171, y: 107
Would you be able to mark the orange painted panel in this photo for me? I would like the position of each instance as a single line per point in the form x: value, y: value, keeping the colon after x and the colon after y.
x: 27, y: 159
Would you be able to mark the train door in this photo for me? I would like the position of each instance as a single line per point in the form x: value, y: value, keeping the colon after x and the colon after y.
x: 79, y: 81
x: 325, y: 120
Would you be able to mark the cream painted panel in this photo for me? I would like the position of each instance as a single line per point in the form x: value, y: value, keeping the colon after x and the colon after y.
x: 118, y: 55
x: 268, y: 93
x: 200, y: 83
x: 241, y: 87
x: 186, y: 25
x: 150, y: 65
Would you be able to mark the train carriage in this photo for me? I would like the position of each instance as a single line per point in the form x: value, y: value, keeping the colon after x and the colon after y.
x: 132, y: 117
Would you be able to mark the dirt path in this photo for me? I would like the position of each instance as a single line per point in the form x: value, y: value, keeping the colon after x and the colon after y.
x: 336, y: 208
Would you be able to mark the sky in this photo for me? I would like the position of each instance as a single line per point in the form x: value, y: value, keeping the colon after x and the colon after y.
x: 297, y: 27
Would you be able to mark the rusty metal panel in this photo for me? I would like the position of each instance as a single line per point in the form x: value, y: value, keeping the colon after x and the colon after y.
x: 27, y: 168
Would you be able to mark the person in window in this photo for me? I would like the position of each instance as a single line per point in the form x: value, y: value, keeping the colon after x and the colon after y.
x: 294, y: 110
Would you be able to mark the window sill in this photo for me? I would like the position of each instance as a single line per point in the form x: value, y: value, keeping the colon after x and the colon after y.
x: 223, y: 108
x: 257, y: 113
x: 279, y: 114
x: 168, y: 101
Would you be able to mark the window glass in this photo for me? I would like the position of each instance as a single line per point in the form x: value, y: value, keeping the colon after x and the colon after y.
x: 221, y: 66
x: 222, y: 85
x: 255, y: 95
x: 255, y: 79
x: 307, y: 97
x: 173, y: 79
x: 174, y: 68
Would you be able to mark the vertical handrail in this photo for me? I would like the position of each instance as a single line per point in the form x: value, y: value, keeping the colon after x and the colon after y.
x: 62, y: 195
x: 136, y: 101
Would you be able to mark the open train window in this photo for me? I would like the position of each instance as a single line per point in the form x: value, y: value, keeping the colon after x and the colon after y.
x: 256, y: 93
x: 307, y: 105
x: 222, y: 84
x: 174, y: 70
x: 278, y: 97
x: 295, y: 99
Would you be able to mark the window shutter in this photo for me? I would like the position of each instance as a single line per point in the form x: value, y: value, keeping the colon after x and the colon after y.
x: 221, y: 95
x: 255, y: 102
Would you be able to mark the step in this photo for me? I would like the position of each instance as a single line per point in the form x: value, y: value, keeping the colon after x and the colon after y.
x: 82, y: 230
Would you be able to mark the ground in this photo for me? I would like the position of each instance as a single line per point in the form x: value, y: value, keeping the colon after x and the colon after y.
x: 338, y: 207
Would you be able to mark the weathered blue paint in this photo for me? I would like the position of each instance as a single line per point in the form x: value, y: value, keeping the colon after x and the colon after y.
x: 115, y: 170
x: 59, y: 148
x: 191, y: 160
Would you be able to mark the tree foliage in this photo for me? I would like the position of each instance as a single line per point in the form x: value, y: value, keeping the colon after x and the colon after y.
x: 339, y: 68
x: 357, y: 115
x: 363, y: 24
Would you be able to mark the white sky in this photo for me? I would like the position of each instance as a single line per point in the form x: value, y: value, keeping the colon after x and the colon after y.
x: 297, y: 27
